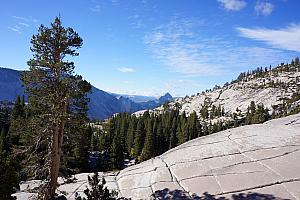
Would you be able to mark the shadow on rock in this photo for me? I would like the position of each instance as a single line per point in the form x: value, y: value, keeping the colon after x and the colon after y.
x: 179, y: 194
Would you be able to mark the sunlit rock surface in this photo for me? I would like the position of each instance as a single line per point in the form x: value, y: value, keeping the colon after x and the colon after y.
x: 251, y: 162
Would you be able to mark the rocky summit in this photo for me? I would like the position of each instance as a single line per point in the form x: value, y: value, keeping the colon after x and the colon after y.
x: 258, y: 161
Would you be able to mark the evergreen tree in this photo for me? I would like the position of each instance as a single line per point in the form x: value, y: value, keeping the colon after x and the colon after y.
x: 148, y: 149
x: 180, y: 135
x: 55, y: 94
x: 18, y: 122
x: 2, y: 140
x: 160, y: 138
x: 173, y: 138
x: 139, y: 139
x: 116, y: 153
x: 9, y: 178
x: 130, y: 135
x: 297, y: 61
x: 18, y: 110
x: 97, y: 190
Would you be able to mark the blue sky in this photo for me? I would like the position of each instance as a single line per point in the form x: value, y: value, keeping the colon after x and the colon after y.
x: 150, y: 47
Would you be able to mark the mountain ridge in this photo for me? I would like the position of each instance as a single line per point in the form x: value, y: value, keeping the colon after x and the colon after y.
x: 277, y: 89
x: 101, y: 106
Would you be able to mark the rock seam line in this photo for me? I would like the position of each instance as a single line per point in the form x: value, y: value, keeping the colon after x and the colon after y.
x: 268, y: 167
x: 174, y: 178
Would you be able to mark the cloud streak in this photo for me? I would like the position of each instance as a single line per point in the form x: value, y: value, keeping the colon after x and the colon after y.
x: 20, y: 23
x: 175, y: 45
x: 286, y: 38
x: 233, y: 5
x: 183, y: 48
x: 126, y: 70
x: 96, y: 8
x: 15, y: 29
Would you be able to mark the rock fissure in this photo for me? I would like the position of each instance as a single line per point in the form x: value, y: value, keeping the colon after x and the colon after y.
x: 253, y: 160
x: 132, y: 174
x: 231, y: 154
x: 264, y: 165
x: 221, y: 174
x: 262, y: 186
x: 174, y: 178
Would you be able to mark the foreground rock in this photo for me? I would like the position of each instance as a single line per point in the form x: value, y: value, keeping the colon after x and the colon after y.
x: 250, y: 162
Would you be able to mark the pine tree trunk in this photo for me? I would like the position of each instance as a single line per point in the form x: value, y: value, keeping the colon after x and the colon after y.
x: 56, y: 154
x: 54, y: 164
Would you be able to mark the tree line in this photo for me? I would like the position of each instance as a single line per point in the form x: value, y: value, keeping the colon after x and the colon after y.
x: 150, y: 135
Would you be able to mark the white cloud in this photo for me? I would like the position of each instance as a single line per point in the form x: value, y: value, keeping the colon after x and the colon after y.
x: 234, y: 5
x: 115, y: 2
x: 286, y: 38
x: 126, y: 69
x: 96, y: 8
x: 19, y: 23
x: 25, y: 19
x: 24, y: 24
x: 183, y: 48
x: 176, y: 46
x: 136, y: 21
x: 20, y: 18
x: 15, y: 29
x: 264, y: 8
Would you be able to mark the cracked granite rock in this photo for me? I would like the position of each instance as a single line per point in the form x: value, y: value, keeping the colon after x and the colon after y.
x: 251, y: 162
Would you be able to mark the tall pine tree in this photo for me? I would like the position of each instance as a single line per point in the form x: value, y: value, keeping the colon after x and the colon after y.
x: 56, y: 94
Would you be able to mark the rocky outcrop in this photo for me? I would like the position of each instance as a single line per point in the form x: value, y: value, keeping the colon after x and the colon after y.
x: 250, y: 162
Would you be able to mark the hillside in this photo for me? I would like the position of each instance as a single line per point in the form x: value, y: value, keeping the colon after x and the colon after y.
x: 101, y: 106
x: 249, y: 162
x: 277, y: 89
x: 10, y: 84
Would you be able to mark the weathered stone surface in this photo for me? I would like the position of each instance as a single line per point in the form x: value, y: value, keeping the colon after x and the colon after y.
x: 200, y: 185
x: 250, y: 162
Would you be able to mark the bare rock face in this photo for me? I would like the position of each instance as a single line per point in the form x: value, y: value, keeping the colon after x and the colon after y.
x: 250, y: 162
x: 262, y: 159
x: 238, y: 96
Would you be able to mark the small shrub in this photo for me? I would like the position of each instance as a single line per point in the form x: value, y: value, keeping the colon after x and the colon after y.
x: 97, y: 190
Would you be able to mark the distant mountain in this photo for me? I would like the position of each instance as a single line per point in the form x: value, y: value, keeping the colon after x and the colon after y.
x: 10, y: 84
x: 165, y: 98
x: 136, y: 98
x: 101, y: 106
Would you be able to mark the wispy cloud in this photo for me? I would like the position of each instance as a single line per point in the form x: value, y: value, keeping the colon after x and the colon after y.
x: 96, y: 8
x: 183, y: 48
x: 176, y: 46
x: 136, y: 21
x: 233, y: 5
x: 286, y: 38
x: 20, y: 23
x: 24, y: 24
x: 264, y: 8
x: 126, y: 69
x: 20, y: 18
x: 15, y: 29
x: 26, y: 19
x: 115, y: 2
